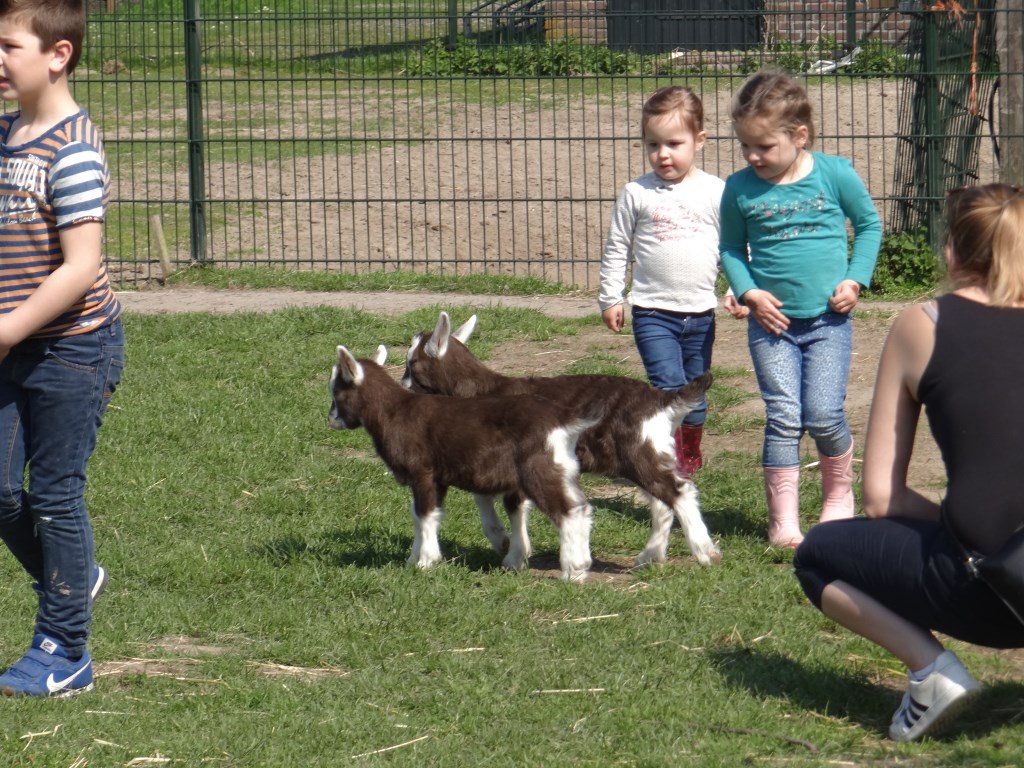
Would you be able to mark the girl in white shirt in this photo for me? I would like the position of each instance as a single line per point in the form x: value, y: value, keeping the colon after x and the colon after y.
x: 666, y: 223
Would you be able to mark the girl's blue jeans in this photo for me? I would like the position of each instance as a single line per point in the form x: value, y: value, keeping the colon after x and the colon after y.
x: 53, y: 393
x: 802, y: 374
x: 675, y: 348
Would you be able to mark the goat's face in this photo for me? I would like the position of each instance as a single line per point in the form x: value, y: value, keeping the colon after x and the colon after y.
x: 347, y: 378
x: 423, y: 366
x: 424, y: 363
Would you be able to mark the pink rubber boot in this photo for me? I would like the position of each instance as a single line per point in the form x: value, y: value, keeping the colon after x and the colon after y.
x: 837, y: 487
x: 782, y: 486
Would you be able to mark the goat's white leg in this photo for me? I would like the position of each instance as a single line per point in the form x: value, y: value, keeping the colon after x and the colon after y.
x: 574, y: 548
x: 426, y: 549
x: 494, y: 530
x: 519, y: 547
x: 687, y: 509
x: 656, y: 550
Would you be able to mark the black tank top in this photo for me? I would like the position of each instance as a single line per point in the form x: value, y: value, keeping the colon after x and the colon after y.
x: 973, y: 393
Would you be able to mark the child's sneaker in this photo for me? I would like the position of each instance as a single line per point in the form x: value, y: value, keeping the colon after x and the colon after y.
x: 99, y: 581
x: 46, y: 670
x: 934, y: 702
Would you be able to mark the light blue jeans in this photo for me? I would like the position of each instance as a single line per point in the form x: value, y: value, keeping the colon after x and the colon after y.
x: 675, y: 348
x: 53, y: 393
x: 802, y: 374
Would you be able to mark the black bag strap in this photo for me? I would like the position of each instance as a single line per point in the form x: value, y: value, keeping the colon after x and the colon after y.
x: 1012, y: 600
x: 967, y: 555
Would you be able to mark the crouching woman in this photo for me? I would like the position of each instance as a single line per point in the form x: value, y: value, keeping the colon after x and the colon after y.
x: 900, y: 575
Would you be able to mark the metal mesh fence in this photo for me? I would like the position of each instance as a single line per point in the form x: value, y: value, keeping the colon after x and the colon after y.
x: 455, y: 137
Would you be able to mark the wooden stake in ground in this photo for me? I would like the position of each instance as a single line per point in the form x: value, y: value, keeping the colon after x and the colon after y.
x: 157, y: 230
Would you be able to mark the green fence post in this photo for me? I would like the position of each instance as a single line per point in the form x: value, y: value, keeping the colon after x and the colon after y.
x: 194, y: 110
x: 453, y: 24
x: 851, y: 25
x: 934, y: 130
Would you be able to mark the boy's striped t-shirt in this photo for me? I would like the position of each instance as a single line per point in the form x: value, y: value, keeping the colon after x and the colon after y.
x: 55, y: 181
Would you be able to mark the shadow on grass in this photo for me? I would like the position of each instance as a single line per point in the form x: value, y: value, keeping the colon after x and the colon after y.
x: 773, y: 676
x: 625, y: 507
x: 732, y: 521
x: 363, y: 548
x: 370, y: 549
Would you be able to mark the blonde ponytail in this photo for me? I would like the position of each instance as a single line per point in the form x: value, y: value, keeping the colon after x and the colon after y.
x: 986, y: 234
x: 1006, y: 280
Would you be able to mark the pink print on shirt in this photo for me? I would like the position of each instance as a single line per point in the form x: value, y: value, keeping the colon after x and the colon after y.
x: 674, y: 221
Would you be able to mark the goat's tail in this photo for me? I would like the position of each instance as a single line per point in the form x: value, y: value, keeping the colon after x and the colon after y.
x: 586, y: 415
x: 689, y: 397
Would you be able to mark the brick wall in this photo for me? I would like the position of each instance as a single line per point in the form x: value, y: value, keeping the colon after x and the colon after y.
x: 785, y: 20
x: 583, y: 20
x: 807, y: 22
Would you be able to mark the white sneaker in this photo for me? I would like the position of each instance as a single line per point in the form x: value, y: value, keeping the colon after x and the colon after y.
x: 934, y: 702
x: 99, y: 581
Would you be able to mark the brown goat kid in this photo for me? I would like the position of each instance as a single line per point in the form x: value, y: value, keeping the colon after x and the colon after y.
x: 521, y: 448
x: 633, y: 441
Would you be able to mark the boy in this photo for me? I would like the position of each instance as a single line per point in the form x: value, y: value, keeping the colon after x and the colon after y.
x: 61, y: 342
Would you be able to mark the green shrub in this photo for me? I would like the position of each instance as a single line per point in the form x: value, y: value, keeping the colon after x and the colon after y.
x: 877, y: 58
x: 559, y: 58
x: 906, y: 265
x: 489, y: 57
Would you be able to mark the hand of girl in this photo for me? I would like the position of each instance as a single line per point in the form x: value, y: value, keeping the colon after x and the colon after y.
x: 614, y: 318
x: 765, y: 308
x: 734, y: 308
x: 844, y: 297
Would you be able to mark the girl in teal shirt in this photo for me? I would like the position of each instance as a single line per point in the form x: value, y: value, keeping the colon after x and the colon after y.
x: 785, y: 251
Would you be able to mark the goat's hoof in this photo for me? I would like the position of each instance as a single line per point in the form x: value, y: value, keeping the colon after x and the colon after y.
x: 574, y: 577
x: 709, y: 555
x: 514, y: 563
x: 423, y: 563
x: 649, y: 558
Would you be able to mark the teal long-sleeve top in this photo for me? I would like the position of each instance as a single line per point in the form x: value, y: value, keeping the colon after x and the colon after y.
x: 797, y: 236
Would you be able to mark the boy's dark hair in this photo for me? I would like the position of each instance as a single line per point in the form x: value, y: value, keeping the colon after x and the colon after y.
x: 51, y: 21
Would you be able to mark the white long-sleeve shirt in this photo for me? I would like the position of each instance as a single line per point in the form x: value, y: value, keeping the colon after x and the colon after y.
x: 670, y: 232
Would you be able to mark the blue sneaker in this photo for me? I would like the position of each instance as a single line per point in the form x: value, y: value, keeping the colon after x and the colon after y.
x: 46, y: 670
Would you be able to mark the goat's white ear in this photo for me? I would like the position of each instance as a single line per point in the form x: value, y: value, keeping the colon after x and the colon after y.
x: 437, y: 345
x: 381, y: 356
x: 348, y: 367
x: 463, y: 332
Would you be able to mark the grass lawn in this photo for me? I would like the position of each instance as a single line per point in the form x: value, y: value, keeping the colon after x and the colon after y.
x: 260, y: 612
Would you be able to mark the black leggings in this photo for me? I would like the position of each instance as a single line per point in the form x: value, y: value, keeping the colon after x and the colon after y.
x: 912, y: 568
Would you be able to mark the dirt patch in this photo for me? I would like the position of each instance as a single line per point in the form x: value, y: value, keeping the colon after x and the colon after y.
x: 178, y: 657
x: 520, y: 187
x: 165, y: 300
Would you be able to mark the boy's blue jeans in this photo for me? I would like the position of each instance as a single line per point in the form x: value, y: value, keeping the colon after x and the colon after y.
x: 802, y: 374
x: 53, y: 393
x: 675, y: 348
